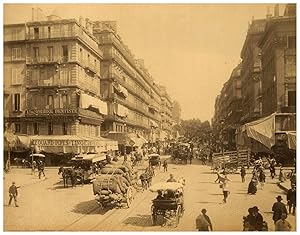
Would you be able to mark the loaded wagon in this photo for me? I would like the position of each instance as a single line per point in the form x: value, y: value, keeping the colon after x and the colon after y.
x: 114, y: 186
x: 168, y: 203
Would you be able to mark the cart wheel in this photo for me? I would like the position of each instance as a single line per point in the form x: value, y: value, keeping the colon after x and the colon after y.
x: 129, y: 196
x: 178, y: 214
x: 153, y: 216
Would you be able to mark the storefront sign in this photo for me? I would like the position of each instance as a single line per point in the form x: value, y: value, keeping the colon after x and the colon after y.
x: 51, y: 111
x: 64, y: 143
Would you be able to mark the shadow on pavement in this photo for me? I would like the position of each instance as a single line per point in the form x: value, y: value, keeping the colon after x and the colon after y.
x: 90, y: 207
x: 208, y: 202
x: 139, y: 221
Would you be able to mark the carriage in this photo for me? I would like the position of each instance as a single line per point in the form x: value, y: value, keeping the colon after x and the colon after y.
x: 168, y: 203
x: 181, y: 153
x: 154, y: 160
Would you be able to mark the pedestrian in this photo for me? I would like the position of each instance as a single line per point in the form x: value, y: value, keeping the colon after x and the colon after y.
x: 203, y: 222
x: 256, y: 221
x: 13, y: 194
x: 165, y: 165
x: 171, y: 179
x: 247, y: 219
x: 41, y: 168
x: 281, y: 176
x: 278, y: 209
x: 293, y: 177
x: 282, y: 224
x: 225, y: 188
x: 252, y: 189
x: 262, y: 179
x: 291, y: 199
x: 243, y: 173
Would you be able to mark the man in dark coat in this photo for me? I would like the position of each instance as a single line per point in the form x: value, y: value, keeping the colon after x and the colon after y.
x: 203, y: 222
x: 278, y: 208
x: 13, y: 193
x: 291, y: 199
x: 41, y: 168
x: 256, y: 220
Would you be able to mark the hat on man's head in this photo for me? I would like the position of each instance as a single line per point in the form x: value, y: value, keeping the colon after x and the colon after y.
x: 255, y: 208
x: 203, y: 210
x: 279, y: 198
x: 13, y: 182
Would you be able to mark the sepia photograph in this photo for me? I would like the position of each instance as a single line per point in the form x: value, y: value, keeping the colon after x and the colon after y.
x: 156, y: 117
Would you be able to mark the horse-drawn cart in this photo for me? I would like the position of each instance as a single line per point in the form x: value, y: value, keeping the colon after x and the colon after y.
x: 114, y: 187
x: 168, y: 203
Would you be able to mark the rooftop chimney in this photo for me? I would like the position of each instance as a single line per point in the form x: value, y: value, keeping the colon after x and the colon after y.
x: 269, y: 14
x: 276, y: 10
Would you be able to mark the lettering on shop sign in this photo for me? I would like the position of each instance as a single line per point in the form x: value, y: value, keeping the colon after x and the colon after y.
x: 64, y: 143
x: 51, y: 111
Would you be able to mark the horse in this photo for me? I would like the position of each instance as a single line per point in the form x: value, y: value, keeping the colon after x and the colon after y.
x: 146, y: 177
x: 68, y: 173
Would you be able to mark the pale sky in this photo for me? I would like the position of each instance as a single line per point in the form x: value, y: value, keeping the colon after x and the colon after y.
x: 189, y: 48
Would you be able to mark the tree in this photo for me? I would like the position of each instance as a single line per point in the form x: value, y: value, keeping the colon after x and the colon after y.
x: 196, y: 131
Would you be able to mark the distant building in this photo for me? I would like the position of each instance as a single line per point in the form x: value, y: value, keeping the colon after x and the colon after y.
x: 166, y: 114
x: 251, y: 74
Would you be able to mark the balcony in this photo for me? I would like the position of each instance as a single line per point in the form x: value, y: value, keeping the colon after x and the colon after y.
x: 65, y: 34
x: 46, y: 60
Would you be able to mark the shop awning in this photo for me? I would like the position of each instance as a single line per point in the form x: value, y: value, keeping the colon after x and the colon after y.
x: 292, y: 140
x: 87, y: 101
x: 90, y: 157
x: 127, y: 139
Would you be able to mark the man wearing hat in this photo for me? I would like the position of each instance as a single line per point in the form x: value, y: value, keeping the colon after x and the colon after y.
x: 291, y: 199
x: 278, y: 208
x: 203, y: 222
x: 13, y: 193
x: 256, y: 221
x: 171, y: 179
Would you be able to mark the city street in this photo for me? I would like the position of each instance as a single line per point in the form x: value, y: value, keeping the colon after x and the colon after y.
x: 46, y: 205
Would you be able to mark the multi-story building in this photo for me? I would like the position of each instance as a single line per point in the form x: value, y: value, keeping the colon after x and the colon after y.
x: 251, y: 73
x: 166, y: 113
x: 278, y: 58
x: 52, y: 78
x: 228, y: 109
x: 132, y: 96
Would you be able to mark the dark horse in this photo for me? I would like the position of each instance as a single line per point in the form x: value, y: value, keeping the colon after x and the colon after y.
x: 68, y: 173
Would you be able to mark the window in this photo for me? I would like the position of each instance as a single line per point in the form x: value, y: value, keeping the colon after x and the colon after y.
x: 80, y: 54
x: 65, y: 53
x: 15, y: 76
x: 16, y: 53
x: 64, y: 101
x: 49, y: 32
x: 36, y: 33
x: 290, y: 66
x: 17, y: 127
x: 50, y: 102
x: 291, y: 42
x: 50, y: 53
x: 36, y: 53
x: 36, y: 128
x: 50, y: 128
x: 291, y: 98
x: 16, y: 102
x: 65, y: 128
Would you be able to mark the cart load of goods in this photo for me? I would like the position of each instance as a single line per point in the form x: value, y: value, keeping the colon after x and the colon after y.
x: 115, y: 183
